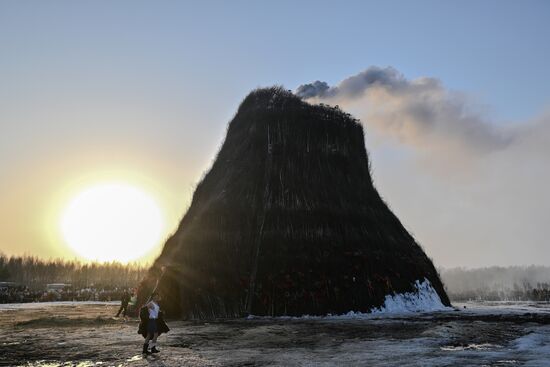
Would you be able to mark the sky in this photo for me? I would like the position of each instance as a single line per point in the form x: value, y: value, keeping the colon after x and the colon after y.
x: 456, y: 119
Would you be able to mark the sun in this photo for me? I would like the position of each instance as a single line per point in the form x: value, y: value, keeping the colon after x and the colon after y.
x: 112, y: 222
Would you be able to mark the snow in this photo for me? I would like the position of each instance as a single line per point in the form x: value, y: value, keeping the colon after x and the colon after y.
x: 467, y: 337
x: 532, y: 340
x: 503, y: 307
x: 534, y: 346
x: 424, y: 299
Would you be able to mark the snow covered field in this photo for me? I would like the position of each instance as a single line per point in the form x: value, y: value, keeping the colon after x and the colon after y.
x: 85, y: 334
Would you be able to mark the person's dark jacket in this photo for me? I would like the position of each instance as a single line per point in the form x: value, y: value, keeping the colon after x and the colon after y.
x: 144, y: 318
x: 125, y: 299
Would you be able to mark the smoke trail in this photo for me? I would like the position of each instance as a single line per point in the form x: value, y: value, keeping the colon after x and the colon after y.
x: 472, y: 189
x: 419, y: 112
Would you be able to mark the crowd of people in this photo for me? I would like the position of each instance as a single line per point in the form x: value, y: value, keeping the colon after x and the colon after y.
x: 29, y: 279
x: 22, y: 294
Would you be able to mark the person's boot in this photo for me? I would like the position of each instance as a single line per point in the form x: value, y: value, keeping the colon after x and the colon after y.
x: 145, y: 348
x: 155, y: 350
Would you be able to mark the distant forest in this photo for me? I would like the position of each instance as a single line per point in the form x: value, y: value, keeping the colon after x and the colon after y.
x: 513, y: 283
x: 491, y: 284
x: 36, y: 273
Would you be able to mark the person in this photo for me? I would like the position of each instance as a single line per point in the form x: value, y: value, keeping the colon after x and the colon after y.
x: 124, y: 304
x: 152, y: 324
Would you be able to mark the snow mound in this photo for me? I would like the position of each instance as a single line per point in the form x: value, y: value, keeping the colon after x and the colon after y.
x: 423, y: 299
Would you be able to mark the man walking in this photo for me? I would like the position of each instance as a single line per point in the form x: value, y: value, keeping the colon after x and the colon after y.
x: 124, y: 303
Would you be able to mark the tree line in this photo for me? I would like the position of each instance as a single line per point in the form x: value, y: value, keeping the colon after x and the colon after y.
x: 35, y: 273
x: 498, y: 283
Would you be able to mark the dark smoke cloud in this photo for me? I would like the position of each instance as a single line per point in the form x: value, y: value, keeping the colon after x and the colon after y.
x: 315, y: 89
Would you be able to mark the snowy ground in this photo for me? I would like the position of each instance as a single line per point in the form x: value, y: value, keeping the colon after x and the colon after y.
x: 85, y: 334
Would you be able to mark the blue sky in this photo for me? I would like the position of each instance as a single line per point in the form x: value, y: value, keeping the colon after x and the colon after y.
x: 100, y: 85
x: 496, y: 49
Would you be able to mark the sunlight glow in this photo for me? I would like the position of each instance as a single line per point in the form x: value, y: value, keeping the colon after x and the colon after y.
x: 112, y: 222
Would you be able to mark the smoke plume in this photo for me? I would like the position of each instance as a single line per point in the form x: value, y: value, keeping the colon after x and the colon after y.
x: 419, y: 112
x: 473, y: 189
